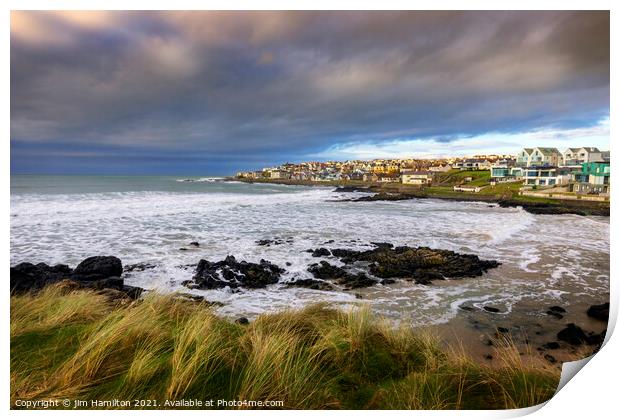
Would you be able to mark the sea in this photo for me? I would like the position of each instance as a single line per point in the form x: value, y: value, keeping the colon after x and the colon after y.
x: 547, y: 259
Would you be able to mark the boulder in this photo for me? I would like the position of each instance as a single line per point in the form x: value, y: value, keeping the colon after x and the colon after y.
x: 600, y: 312
x: 97, y: 268
x: 321, y: 252
x: 242, y: 321
x: 572, y: 334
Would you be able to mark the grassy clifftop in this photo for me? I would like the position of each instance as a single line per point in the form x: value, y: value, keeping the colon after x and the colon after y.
x: 68, y: 343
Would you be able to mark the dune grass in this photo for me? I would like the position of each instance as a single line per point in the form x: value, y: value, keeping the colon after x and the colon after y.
x: 78, y: 344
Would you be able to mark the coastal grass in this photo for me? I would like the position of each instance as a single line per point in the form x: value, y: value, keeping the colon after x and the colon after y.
x: 80, y: 344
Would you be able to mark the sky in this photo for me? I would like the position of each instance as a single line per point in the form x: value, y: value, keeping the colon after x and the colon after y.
x: 175, y: 92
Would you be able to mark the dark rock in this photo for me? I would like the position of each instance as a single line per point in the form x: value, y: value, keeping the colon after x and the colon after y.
x: 572, y: 334
x: 383, y: 196
x: 98, y: 268
x: 557, y: 309
x: 182, y: 249
x: 310, y: 284
x: 269, y: 242
x: 555, y: 314
x: 382, y: 244
x: 567, y: 207
x: 466, y: 308
x: 502, y: 330
x: 359, y: 296
x: 321, y: 252
x: 600, y: 312
x: 133, y: 292
x: 488, y: 357
x: 27, y: 277
x: 288, y: 264
x: 109, y: 283
x: 326, y: 271
x: 490, y: 309
x: 356, y: 281
x: 553, y: 345
x: 99, y: 273
x: 421, y: 265
x: 550, y: 358
x: 196, y: 244
x: 233, y: 273
x: 242, y: 321
x: 387, y: 281
x: 596, y: 339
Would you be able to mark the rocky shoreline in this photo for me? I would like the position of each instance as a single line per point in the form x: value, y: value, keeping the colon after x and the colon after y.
x: 389, y: 193
x: 384, y: 264
x: 534, y: 207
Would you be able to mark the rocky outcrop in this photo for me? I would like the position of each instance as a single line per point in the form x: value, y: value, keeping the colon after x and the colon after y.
x: 234, y: 274
x: 27, y: 277
x: 422, y: 265
x: 565, y: 207
x: 600, y: 312
x: 98, y: 272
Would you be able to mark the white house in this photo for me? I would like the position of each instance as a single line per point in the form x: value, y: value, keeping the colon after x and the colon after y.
x: 579, y: 155
x: 417, y: 177
x: 539, y: 156
x: 279, y: 174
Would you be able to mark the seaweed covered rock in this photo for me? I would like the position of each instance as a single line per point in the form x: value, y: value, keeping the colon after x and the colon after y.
x: 233, y: 273
x: 421, y: 265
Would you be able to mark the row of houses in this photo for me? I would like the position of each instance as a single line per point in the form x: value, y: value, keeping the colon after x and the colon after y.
x: 551, y: 156
x: 584, y: 170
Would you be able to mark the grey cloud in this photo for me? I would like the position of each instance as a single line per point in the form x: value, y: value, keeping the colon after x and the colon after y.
x: 265, y: 82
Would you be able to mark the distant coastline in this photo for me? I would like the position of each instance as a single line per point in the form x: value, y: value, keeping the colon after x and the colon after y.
x: 397, y: 191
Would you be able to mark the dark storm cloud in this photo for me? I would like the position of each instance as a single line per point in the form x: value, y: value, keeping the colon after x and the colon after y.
x: 260, y: 86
